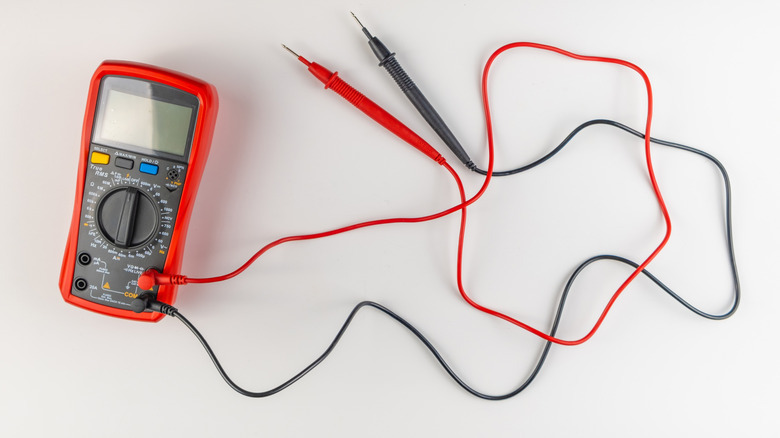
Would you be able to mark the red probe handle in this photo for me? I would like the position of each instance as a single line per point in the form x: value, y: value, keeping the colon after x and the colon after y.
x: 371, y: 109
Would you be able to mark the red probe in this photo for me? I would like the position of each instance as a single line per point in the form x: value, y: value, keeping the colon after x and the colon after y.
x: 152, y: 277
x: 334, y: 82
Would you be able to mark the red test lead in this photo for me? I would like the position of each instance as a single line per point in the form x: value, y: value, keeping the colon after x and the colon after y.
x: 334, y: 82
x: 331, y: 80
x: 153, y: 277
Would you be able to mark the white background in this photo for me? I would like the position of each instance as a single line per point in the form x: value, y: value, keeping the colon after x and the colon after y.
x: 289, y: 158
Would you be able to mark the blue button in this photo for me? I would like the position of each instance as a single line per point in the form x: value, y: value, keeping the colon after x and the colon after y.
x: 151, y: 169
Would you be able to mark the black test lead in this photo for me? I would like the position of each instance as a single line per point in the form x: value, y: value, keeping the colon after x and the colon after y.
x: 405, y: 83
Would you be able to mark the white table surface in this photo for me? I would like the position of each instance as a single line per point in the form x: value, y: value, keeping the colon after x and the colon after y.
x: 290, y: 158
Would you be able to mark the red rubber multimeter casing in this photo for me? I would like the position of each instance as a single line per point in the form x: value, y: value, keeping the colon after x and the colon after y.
x: 146, y: 136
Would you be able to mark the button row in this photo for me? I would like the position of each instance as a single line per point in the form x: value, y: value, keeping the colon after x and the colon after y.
x: 125, y: 163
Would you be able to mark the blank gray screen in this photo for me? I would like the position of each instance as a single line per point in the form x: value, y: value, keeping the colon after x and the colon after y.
x: 147, y: 123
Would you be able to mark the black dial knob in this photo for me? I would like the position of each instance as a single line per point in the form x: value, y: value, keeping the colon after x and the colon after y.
x: 127, y: 217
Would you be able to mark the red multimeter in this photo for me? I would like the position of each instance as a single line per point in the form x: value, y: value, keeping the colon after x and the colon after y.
x: 146, y: 136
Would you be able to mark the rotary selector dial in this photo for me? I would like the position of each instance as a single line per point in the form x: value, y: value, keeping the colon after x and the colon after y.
x: 127, y: 217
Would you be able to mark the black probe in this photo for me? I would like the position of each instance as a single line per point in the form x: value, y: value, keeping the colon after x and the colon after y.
x: 407, y: 85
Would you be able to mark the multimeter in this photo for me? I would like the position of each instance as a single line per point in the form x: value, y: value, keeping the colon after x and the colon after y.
x: 146, y: 136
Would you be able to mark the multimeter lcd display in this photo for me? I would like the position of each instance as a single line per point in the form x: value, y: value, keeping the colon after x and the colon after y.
x: 148, y: 123
x: 133, y: 113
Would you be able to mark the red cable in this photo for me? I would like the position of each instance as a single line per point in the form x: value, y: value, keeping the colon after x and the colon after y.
x: 157, y: 278
x: 650, y: 171
x: 331, y: 80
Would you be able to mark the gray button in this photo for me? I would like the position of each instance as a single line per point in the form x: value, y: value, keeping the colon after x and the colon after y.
x: 124, y: 163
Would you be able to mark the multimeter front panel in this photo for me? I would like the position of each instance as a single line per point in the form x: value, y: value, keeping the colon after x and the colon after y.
x: 143, y: 138
x: 137, y: 165
x: 128, y: 211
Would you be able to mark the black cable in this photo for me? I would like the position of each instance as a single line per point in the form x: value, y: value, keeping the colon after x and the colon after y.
x: 559, y: 312
x: 534, y: 372
x: 576, y: 131
x: 726, y: 184
x: 341, y: 332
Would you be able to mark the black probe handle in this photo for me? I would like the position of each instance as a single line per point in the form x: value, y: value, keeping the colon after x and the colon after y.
x: 424, y: 107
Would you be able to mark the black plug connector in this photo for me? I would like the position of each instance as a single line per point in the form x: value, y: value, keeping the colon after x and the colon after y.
x: 405, y: 83
x: 146, y: 302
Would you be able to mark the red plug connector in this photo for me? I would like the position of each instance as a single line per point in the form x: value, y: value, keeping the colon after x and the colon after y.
x: 153, y: 277
x: 334, y: 82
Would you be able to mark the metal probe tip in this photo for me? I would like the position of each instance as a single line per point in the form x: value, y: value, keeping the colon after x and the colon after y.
x: 356, y: 19
x: 291, y: 51
x: 363, y: 28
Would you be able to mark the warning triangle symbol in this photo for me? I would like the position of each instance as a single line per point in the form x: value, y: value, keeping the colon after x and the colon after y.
x: 106, y: 286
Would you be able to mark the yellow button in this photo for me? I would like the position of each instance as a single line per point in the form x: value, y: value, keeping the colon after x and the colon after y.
x: 99, y: 158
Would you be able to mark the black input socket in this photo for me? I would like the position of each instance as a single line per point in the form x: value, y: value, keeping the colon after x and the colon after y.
x: 85, y: 259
